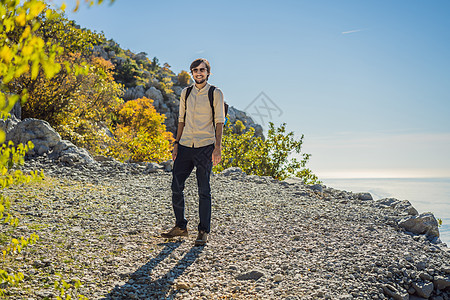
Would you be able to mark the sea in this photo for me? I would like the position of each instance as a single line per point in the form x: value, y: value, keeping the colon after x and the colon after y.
x: 425, y: 194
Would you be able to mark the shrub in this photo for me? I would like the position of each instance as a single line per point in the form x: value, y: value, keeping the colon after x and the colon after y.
x: 140, y: 134
x: 127, y: 73
x: 269, y: 157
x: 78, y: 99
x: 92, y: 106
x: 155, y: 64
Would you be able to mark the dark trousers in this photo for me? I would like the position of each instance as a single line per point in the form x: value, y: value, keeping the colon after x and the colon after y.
x: 188, y: 158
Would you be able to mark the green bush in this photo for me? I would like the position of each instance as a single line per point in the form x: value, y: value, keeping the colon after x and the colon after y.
x: 127, y: 73
x: 269, y: 157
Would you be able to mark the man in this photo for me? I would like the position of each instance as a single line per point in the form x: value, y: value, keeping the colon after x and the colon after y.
x: 198, y: 144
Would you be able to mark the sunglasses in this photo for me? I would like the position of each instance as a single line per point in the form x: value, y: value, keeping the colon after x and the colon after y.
x: 196, y: 70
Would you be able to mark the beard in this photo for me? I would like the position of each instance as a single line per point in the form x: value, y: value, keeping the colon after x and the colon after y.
x: 199, y: 81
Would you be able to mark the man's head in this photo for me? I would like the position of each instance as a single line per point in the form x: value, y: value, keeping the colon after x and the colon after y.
x: 200, y: 70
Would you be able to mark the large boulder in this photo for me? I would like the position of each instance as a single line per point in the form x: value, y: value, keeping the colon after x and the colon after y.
x: 252, y: 275
x: 233, y: 171
x: 442, y: 283
x: 425, y: 223
x: 9, y: 124
x: 402, y: 206
x: 39, y: 132
x: 293, y: 180
x: 364, y: 196
x: 99, y: 51
x: 236, y: 114
x: 17, y: 111
x: 423, y: 289
x: 155, y: 94
x: 141, y: 57
x: 46, y: 140
x: 173, y: 102
x: 391, y: 291
x: 177, y: 90
x: 68, y: 153
x: 134, y: 93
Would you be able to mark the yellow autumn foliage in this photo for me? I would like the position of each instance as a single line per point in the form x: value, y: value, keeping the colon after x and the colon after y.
x: 140, y: 134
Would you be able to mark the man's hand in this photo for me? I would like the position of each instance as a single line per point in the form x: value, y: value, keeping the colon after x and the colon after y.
x: 217, y: 155
x: 174, y: 151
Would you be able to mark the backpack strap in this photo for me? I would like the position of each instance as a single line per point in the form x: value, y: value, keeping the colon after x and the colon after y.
x: 188, y: 92
x: 211, y: 101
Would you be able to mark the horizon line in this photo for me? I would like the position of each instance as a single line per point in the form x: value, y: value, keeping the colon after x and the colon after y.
x: 385, y: 174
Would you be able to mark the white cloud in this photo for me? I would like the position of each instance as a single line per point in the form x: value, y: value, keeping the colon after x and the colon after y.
x: 352, y: 31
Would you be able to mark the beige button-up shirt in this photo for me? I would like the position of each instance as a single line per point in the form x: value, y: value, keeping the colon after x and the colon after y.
x: 199, y: 129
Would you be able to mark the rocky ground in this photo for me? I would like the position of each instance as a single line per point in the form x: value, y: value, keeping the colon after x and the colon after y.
x: 101, y: 224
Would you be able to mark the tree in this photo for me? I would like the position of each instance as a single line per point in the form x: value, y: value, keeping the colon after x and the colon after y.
x: 78, y: 106
x: 155, y: 64
x: 269, y: 157
x: 74, y: 54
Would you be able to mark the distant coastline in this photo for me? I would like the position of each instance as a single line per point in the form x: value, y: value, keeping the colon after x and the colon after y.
x: 425, y: 194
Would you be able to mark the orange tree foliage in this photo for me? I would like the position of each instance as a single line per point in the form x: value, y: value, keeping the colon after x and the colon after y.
x: 140, y: 133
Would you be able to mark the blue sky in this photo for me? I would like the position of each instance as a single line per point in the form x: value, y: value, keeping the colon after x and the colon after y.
x: 366, y: 82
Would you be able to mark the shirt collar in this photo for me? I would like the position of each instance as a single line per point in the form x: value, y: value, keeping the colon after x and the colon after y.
x: 205, y: 87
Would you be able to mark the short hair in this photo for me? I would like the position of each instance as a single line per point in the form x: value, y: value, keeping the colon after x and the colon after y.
x: 198, y: 61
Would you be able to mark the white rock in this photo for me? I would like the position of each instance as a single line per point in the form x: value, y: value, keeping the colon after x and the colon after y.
x: 425, y: 223
x: 278, y: 278
x: 155, y: 94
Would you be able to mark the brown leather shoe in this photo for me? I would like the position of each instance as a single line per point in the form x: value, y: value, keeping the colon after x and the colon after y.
x: 202, y: 238
x: 176, y: 231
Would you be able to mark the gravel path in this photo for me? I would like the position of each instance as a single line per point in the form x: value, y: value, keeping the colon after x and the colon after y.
x: 269, y: 240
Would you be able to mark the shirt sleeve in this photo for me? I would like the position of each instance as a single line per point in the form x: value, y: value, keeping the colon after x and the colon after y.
x: 219, y: 108
x: 182, y: 108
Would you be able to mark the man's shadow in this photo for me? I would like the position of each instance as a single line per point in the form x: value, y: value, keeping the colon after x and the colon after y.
x: 141, y: 285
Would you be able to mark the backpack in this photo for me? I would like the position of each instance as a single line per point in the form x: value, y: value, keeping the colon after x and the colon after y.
x: 211, y: 102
